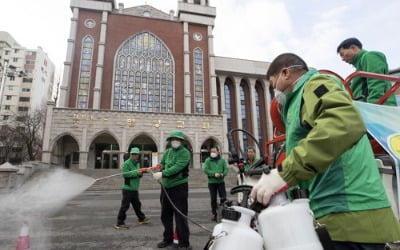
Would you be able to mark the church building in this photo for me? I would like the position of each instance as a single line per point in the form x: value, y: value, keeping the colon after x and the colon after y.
x: 132, y: 75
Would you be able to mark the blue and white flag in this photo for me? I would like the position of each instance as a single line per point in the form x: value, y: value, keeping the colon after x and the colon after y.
x: 383, y: 123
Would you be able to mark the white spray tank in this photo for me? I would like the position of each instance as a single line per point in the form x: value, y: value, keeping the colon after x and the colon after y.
x: 286, y: 225
x: 234, y: 232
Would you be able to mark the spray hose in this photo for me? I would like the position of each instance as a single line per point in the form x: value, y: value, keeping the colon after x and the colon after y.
x: 152, y: 169
x: 176, y: 209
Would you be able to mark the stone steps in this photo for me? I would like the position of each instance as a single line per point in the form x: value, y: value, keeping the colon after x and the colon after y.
x: 197, y: 179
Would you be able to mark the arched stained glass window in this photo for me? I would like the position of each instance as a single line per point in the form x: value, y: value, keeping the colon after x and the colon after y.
x: 84, y: 73
x: 198, y: 81
x: 144, y: 75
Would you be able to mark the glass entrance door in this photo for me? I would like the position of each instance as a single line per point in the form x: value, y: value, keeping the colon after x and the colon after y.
x: 145, y: 159
x: 109, y: 159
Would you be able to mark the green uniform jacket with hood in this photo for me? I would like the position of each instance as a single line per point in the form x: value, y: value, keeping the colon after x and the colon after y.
x: 174, y: 162
x: 131, y: 175
x: 213, y: 166
x: 328, y: 152
x: 248, y: 164
x: 372, y: 89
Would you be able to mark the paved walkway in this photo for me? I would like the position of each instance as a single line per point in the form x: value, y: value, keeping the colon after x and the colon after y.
x: 86, y: 222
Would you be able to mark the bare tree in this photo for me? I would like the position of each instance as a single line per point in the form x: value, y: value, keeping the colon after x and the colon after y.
x: 9, y: 144
x: 29, y: 130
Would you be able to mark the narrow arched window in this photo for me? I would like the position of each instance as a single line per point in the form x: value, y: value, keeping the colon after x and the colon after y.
x: 198, y: 81
x: 258, y: 114
x: 144, y: 75
x: 243, y: 111
x: 84, y: 72
x: 228, y: 107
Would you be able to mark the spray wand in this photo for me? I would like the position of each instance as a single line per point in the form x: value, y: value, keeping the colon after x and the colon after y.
x: 140, y: 170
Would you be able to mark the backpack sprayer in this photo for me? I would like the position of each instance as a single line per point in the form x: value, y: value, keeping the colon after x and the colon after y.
x: 282, y: 225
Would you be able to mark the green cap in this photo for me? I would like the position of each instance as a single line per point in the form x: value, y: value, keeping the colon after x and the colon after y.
x: 135, y: 150
x: 176, y: 133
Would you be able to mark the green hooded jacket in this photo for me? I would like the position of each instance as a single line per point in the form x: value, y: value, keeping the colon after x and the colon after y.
x: 328, y: 152
x: 371, y: 89
x: 131, y: 175
x: 213, y: 166
x: 248, y: 164
x: 175, y: 164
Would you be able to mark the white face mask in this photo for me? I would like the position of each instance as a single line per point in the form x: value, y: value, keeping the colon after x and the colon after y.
x: 213, y: 155
x: 288, y: 88
x: 176, y: 144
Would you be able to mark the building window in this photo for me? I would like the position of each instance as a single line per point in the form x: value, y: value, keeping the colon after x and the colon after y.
x: 24, y: 99
x: 90, y: 23
x: 26, y: 90
x: 15, y: 59
x: 21, y: 118
x: 27, y: 79
x: 198, y: 81
x: 8, y: 98
x: 85, y: 71
x: 228, y: 107
x: 31, y: 53
x: 144, y: 75
x: 146, y: 13
x: 7, y: 107
x: 5, y: 117
x: 30, y: 62
x: 243, y: 110
x: 258, y: 114
x: 22, y: 108
x: 16, y: 51
x: 75, y: 157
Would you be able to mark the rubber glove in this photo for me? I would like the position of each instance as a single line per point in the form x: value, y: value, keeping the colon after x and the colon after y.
x: 268, y: 185
x: 157, y: 176
x: 156, y: 167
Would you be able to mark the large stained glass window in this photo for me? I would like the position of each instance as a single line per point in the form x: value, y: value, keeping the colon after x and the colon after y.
x: 198, y: 81
x: 144, y: 75
x: 84, y: 74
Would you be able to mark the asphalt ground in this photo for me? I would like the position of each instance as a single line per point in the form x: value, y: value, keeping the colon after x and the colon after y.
x: 86, y: 222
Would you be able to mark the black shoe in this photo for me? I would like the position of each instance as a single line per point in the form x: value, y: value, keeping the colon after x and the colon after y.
x: 121, y: 226
x: 144, y: 221
x: 185, y: 248
x: 214, y: 217
x: 164, y: 244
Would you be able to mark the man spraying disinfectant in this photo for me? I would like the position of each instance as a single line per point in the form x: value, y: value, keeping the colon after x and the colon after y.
x: 132, y: 173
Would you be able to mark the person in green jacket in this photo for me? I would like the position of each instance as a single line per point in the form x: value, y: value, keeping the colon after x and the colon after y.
x: 216, y: 168
x: 174, y: 180
x: 366, y: 89
x: 327, y: 152
x: 251, y: 157
x: 130, y: 194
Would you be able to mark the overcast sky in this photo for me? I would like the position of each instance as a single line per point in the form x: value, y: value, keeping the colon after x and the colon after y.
x: 247, y: 29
